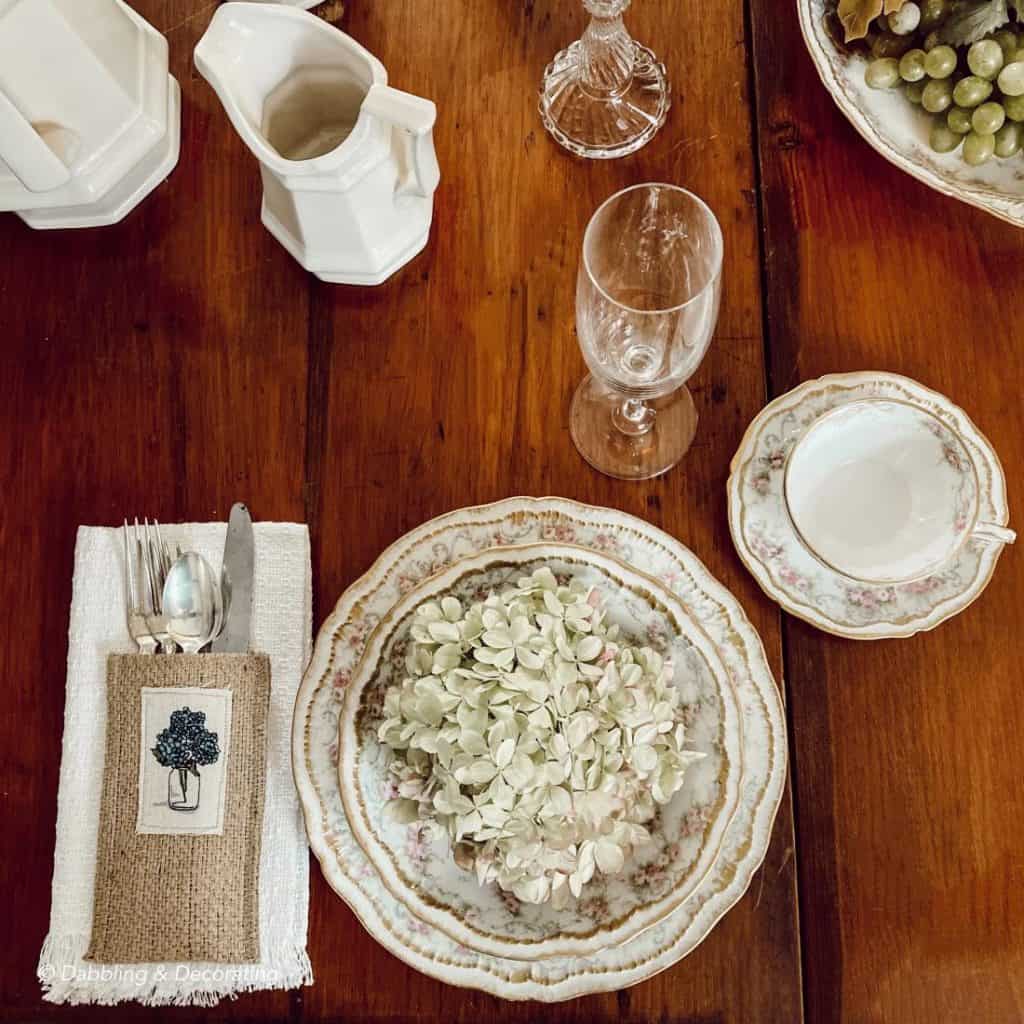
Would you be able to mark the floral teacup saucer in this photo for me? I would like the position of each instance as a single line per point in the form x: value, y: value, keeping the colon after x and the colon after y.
x: 868, y: 505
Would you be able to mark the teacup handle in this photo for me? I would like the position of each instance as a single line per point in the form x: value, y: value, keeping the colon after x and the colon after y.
x: 416, y: 116
x: 992, y: 532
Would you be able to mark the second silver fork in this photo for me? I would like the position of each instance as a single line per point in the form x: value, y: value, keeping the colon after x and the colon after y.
x: 154, y: 562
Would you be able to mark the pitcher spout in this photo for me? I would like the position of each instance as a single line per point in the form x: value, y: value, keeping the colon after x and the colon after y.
x: 291, y: 84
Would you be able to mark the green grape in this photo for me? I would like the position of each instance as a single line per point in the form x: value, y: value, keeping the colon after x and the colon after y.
x: 978, y: 149
x: 985, y: 58
x: 1008, y: 42
x: 933, y: 13
x: 942, y: 140
x: 971, y: 91
x: 883, y: 73
x: 988, y: 118
x: 905, y: 20
x: 912, y: 66
x: 937, y: 96
x: 1014, y: 107
x: 958, y: 120
x: 885, y: 44
x: 1011, y: 78
x: 1008, y: 140
x: 931, y: 41
x: 914, y: 91
x: 940, y: 62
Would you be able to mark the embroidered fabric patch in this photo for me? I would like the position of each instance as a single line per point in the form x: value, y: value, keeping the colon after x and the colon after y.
x: 183, y: 761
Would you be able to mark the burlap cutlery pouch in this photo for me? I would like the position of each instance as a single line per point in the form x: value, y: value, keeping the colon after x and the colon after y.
x: 163, y: 894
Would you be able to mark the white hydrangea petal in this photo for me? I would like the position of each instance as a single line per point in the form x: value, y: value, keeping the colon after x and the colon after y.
x: 558, y: 804
x: 646, y: 734
x: 589, y: 648
x: 545, y: 578
x: 644, y: 758
x: 533, y: 890
x: 446, y: 657
x: 444, y: 632
x: 472, y: 742
x: 609, y: 856
x: 519, y: 772
x: 503, y: 755
x: 530, y: 659
x: 429, y: 612
x: 566, y: 674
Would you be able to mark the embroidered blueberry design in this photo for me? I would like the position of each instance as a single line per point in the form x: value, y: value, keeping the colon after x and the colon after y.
x: 184, y: 746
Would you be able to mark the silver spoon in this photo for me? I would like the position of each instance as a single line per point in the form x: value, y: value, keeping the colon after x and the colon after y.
x: 190, y: 602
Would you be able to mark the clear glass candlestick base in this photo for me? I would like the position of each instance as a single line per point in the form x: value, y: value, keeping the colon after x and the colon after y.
x: 628, y: 438
x: 605, y: 95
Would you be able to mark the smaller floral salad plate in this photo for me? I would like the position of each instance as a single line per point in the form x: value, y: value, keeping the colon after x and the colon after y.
x: 525, y: 733
x: 868, y: 505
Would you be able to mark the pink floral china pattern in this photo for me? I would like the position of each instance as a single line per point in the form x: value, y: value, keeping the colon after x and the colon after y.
x: 419, y: 867
x: 771, y: 547
x: 426, y: 551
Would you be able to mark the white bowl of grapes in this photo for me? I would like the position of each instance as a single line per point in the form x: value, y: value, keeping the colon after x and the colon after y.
x: 936, y: 86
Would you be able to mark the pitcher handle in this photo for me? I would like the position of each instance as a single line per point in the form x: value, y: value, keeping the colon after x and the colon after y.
x: 415, y: 116
x: 23, y: 149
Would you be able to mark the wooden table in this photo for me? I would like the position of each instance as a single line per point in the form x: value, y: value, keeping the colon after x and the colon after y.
x: 181, y: 360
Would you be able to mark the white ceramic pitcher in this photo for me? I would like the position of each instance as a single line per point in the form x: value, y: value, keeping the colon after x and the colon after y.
x: 89, y: 116
x: 348, y: 163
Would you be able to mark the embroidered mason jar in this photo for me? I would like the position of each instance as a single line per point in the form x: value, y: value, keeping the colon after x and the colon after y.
x: 183, y: 789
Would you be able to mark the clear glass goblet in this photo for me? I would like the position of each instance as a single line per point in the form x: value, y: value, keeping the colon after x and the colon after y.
x: 605, y: 95
x: 647, y: 301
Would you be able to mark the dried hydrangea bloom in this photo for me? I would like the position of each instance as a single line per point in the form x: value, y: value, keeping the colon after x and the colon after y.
x: 538, y: 741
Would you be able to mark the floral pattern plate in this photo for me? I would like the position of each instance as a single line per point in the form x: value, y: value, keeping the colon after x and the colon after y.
x: 898, y: 130
x: 771, y: 547
x: 416, y: 862
x: 428, y: 550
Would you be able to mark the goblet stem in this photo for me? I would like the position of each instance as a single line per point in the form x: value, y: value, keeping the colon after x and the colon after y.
x: 634, y: 417
x: 607, y: 52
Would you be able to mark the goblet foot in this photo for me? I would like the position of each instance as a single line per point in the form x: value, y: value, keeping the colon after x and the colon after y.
x: 604, y: 127
x: 596, y: 411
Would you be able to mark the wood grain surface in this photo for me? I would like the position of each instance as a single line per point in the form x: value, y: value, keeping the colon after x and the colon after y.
x: 181, y: 360
x: 909, y: 807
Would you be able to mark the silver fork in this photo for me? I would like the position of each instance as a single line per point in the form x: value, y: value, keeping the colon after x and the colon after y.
x: 158, y: 563
x: 138, y: 627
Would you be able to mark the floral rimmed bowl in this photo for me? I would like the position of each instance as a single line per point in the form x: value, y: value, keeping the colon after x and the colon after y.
x: 416, y: 862
x: 926, y: 540
x: 429, y: 549
x: 899, y: 131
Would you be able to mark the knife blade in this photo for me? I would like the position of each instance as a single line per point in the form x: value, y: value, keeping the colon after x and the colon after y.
x: 239, y: 559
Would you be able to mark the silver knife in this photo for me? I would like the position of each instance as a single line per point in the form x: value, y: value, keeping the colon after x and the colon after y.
x: 238, y: 570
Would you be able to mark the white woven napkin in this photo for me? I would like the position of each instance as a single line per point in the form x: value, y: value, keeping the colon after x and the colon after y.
x: 281, y: 627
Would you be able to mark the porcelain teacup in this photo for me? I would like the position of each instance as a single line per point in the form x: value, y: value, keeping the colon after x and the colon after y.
x: 884, y: 492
